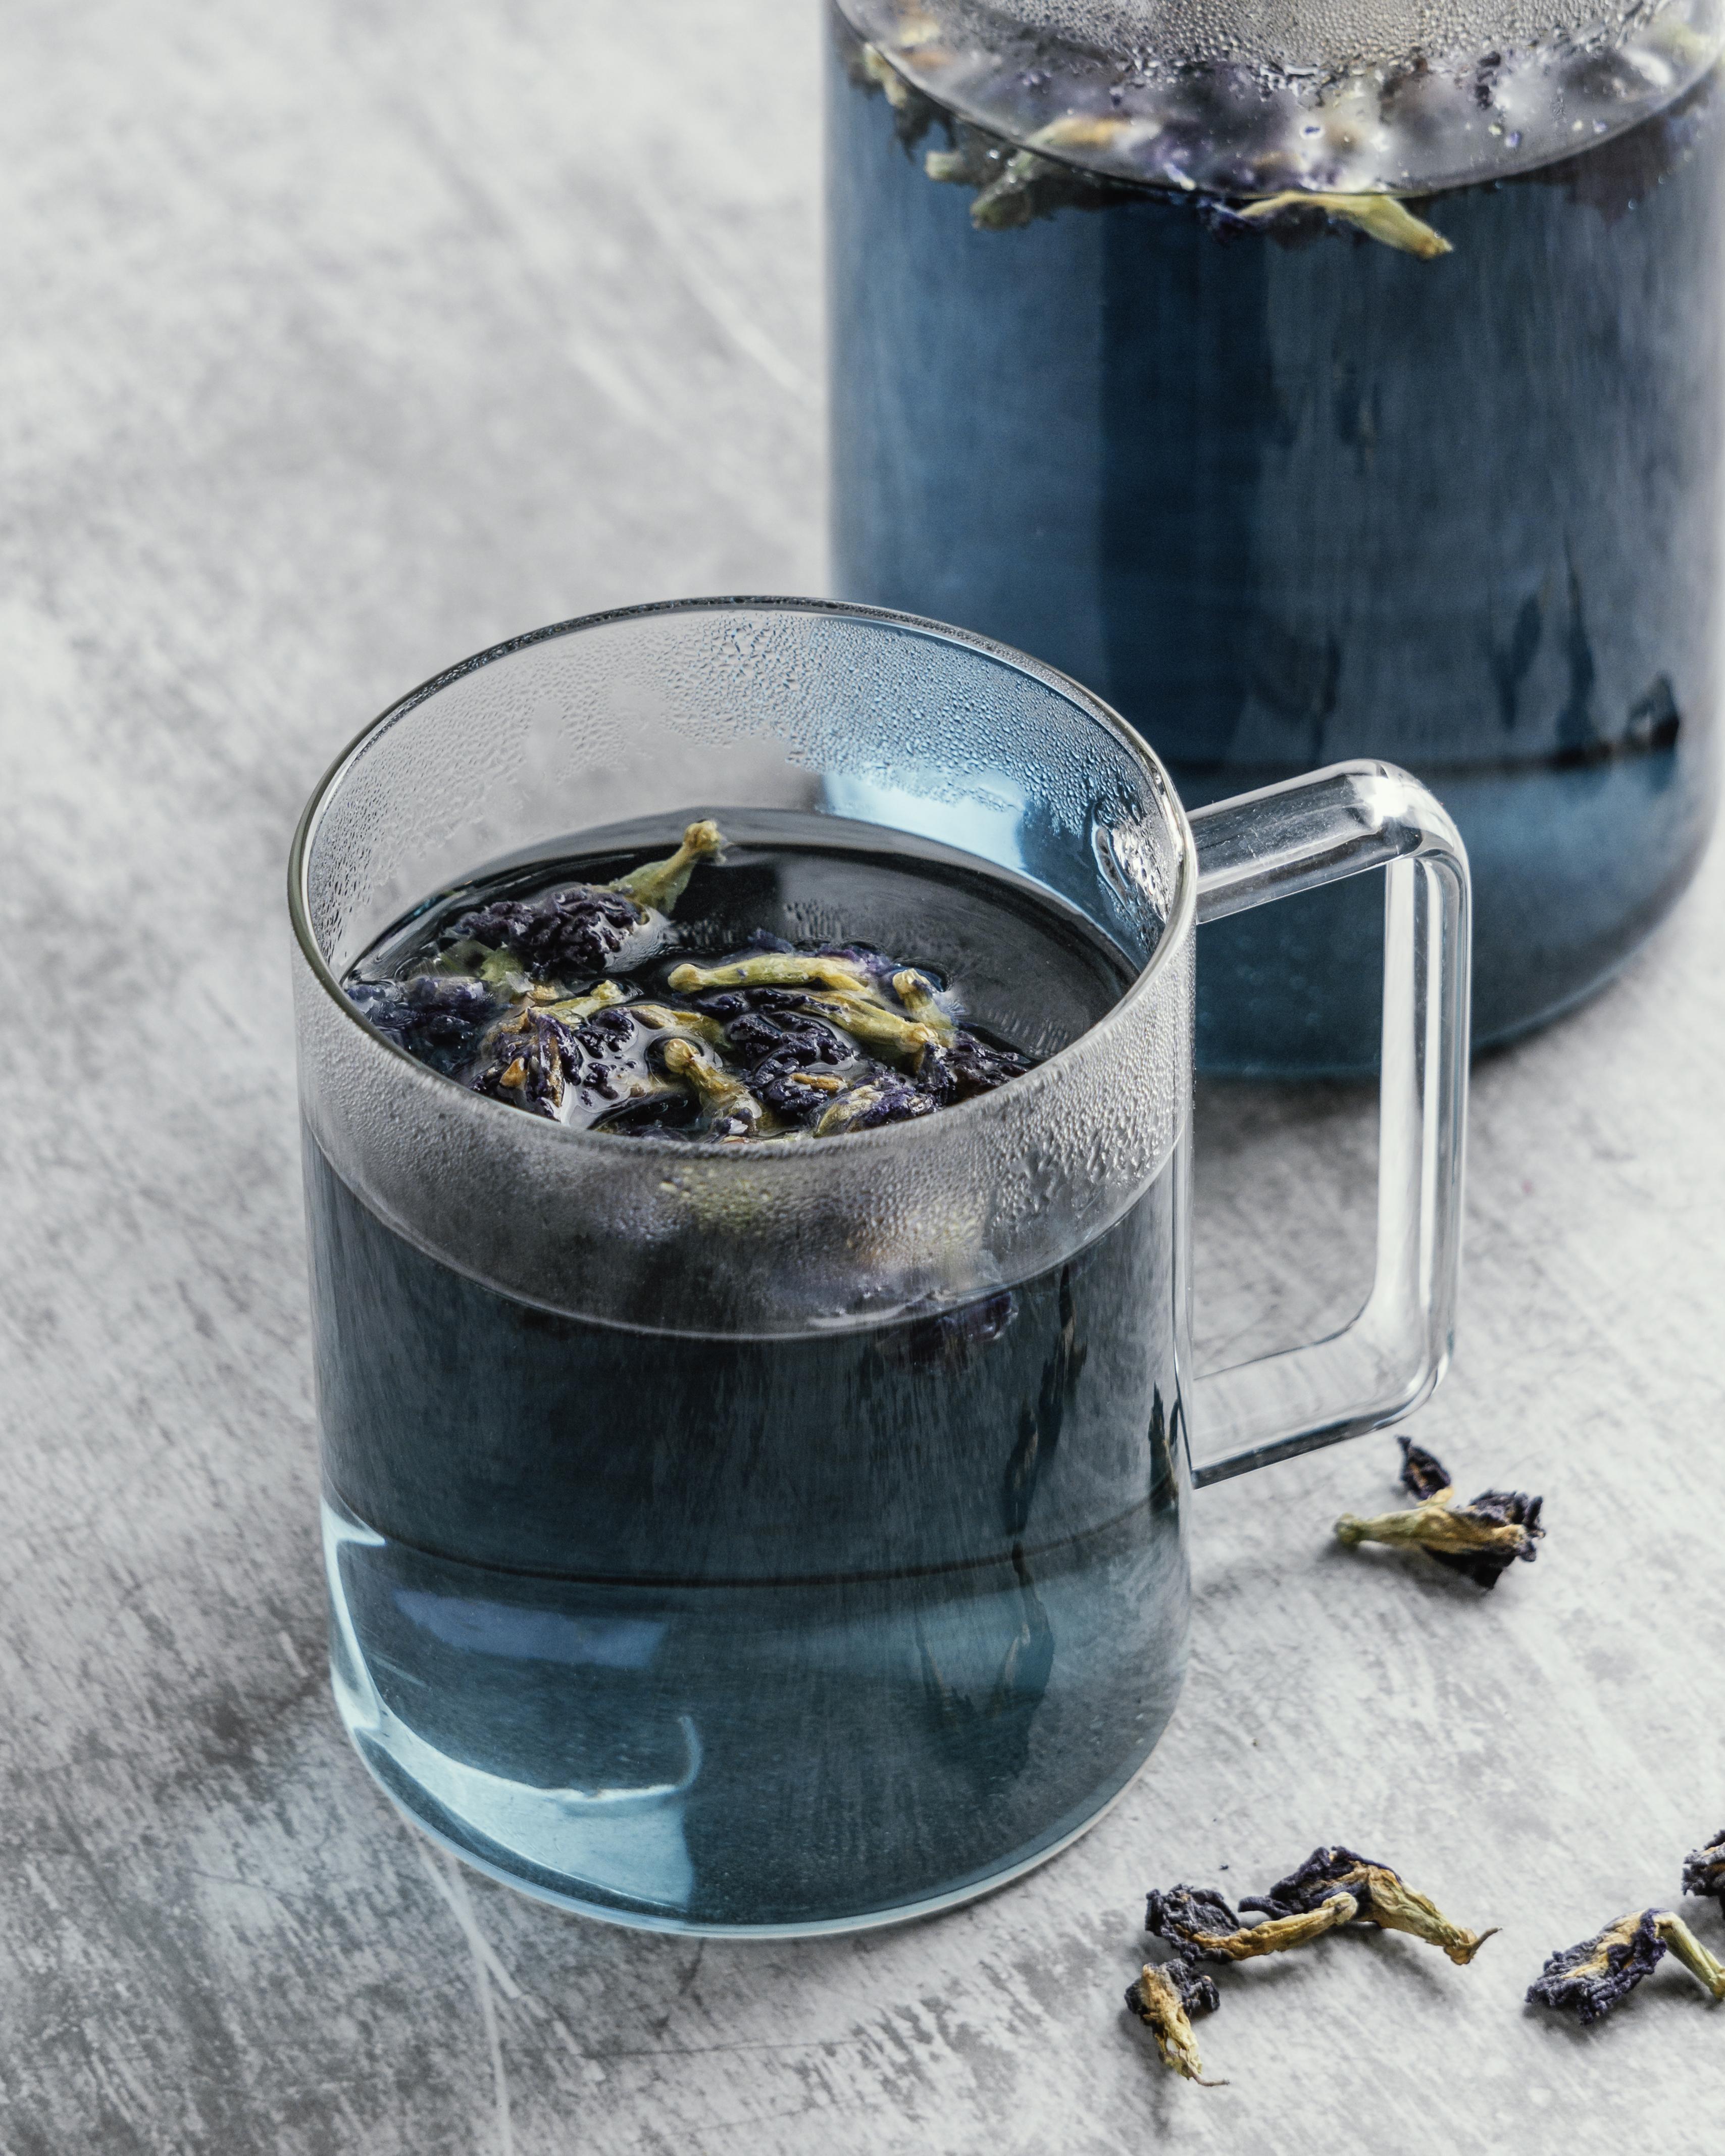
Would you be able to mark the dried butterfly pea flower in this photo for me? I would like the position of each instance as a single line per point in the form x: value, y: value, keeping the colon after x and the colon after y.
x: 1481, y: 1539
x: 1599, y: 1974
x: 1704, y: 1870
x: 1165, y: 1997
x: 787, y: 1054
x: 730, y: 1111
x: 966, y: 1067
x: 659, y: 885
x: 1198, y: 1921
x: 902, y: 1039
x: 917, y: 992
x: 1383, y: 1897
x: 576, y: 930
x: 662, y: 1019
x: 581, y: 928
x: 571, y: 1010
x: 1424, y: 1476
x: 1381, y: 217
x: 886, y: 1099
x: 1704, y: 1966
x: 775, y: 969
x: 437, y: 1018
x: 528, y: 1064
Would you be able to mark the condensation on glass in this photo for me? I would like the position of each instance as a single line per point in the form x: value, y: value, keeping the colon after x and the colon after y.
x: 769, y: 1538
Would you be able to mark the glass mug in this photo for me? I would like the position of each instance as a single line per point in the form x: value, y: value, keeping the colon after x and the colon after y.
x: 777, y: 1538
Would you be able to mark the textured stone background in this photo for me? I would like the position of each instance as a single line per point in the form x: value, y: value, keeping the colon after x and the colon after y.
x: 340, y: 340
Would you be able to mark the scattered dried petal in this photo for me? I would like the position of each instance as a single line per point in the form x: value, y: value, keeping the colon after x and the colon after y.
x: 1198, y: 1921
x: 1164, y: 1998
x: 1424, y: 1476
x: 1385, y: 1899
x: 1481, y: 1539
x: 1704, y: 1870
x: 1600, y: 1973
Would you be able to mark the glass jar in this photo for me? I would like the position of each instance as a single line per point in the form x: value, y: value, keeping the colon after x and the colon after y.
x: 1310, y: 407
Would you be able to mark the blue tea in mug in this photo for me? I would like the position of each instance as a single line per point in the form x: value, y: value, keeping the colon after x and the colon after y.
x: 749, y: 1246
x: 595, y: 1585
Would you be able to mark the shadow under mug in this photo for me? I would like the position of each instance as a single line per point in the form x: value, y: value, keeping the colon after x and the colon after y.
x: 763, y: 1539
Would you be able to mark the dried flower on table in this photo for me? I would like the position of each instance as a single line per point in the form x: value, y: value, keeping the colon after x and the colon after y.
x: 1482, y: 1538
x: 1164, y: 1998
x: 1424, y: 1476
x: 1384, y: 1898
x: 1704, y: 1966
x: 1704, y: 1870
x: 1601, y: 1973
x: 1199, y: 1923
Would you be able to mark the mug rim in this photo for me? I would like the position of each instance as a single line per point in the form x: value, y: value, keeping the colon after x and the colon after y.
x: 1178, y: 926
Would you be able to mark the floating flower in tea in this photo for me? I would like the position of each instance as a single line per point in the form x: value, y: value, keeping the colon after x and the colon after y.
x: 437, y: 1020
x: 770, y: 1044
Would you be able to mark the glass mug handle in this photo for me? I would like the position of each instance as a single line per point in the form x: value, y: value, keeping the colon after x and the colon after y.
x: 1317, y: 829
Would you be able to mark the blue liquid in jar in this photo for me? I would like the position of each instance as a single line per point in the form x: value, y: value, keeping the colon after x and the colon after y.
x: 1282, y: 504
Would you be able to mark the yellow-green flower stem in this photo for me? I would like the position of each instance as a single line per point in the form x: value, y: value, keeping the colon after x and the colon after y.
x: 1157, y: 2004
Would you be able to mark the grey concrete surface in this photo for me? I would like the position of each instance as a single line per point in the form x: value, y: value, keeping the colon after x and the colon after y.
x: 340, y: 339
